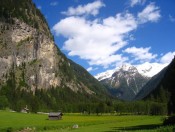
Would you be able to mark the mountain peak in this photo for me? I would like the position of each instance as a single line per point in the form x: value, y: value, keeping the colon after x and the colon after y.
x: 128, y: 67
x: 125, y: 66
x: 104, y: 75
x: 125, y: 82
x: 146, y: 69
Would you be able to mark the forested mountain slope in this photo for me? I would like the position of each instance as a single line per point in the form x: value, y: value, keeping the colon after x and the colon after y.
x: 33, y: 71
x: 161, y: 88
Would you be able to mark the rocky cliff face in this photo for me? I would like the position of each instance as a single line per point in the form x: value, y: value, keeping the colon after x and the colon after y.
x: 24, y: 46
x: 28, y: 51
x: 33, y: 71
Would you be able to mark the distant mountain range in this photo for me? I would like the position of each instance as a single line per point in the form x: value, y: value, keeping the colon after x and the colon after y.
x: 146, y: 69
x: 126, y: 81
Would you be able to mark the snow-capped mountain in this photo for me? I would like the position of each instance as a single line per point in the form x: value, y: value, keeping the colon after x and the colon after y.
x: 146, y: 69
x: 150, y: 69
x: 161, y: 86
x: 125, y: 82
x: 109, y: 73
x: 104, y: 75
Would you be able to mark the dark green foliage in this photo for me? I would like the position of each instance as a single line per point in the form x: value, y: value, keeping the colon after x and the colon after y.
x: 3, y: 102
x: 141, y: 108
x: 151, y: 86
x: 101, y: 108
x: 24, y: 10
x: 164, y: 92
x: 78, y: 74
x: 85, y: 77
x: 16, y: 94
x: 16, y: 88
x: 169, y: 121
x: 53, y: 99
x: 66, y: 100
x: 9, y: 129
x: 158, y: 109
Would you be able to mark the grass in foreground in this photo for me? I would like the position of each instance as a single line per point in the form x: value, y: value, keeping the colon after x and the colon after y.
x: 106, y: 123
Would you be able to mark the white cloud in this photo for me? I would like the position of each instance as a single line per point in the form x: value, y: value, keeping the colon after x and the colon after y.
x: 96, y: 41
x: 137, y: 2
x: 167, y: 58
x: 147, y: 69
x: 39, y: 7
x: 131, y: 37
x: 150, y: 13
x: 141, y: 54
x: 117, y: 59
x: 55, y: 3
x: 171, y: 18
x: 89, y: 9
x: 89, y: 69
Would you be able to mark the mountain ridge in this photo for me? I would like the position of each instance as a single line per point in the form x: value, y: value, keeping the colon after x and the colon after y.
x: 146, y: 69
x: 161, y: 88
x: 125, y: 82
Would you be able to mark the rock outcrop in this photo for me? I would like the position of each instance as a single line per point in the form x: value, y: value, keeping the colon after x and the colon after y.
x: 28, y: 51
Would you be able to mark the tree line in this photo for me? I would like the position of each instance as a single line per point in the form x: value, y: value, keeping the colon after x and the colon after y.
x: 65, y: 100
x: 15, y: 97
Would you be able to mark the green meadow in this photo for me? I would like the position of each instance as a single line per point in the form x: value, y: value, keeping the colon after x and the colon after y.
x: 12, y: 121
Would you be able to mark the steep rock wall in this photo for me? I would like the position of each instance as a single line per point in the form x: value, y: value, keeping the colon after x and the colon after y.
x: 34, y: 58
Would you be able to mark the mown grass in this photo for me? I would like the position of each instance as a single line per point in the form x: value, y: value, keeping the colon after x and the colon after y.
x: 106, y: 123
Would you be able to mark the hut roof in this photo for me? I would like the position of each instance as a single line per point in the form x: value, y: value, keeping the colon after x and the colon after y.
x: 55, y: 114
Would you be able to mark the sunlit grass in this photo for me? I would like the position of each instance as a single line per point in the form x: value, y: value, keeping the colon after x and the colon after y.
x: 39, y: 122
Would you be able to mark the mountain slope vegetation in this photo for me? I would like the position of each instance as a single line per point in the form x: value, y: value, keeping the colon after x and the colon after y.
x: 33, y: 70
x: 161, y: 88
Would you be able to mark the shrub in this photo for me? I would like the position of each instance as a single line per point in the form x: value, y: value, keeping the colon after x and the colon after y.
x: 169, y: 121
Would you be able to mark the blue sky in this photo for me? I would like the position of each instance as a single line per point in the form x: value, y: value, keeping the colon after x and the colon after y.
x: 102, y: 34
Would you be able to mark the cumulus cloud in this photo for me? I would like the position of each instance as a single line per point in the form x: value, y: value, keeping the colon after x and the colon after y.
x: 89, y: 9
x: 55, y: 3
x: 137, y: 2
x: 167, y: 58
x: 96, y: 41
x: 150, y: 13
x: 89, y: 69
x: 171, y: 18
x: 141, y: 54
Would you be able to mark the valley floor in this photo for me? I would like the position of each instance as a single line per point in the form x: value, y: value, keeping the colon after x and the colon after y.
x: 12, y: 121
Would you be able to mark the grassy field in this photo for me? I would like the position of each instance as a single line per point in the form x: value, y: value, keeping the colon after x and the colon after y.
x: 10, y: 121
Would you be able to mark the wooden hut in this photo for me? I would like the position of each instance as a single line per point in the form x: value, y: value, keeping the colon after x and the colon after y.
x: 55, y: 115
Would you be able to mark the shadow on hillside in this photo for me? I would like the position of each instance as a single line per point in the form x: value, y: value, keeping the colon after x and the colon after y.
x: 135, y: 128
